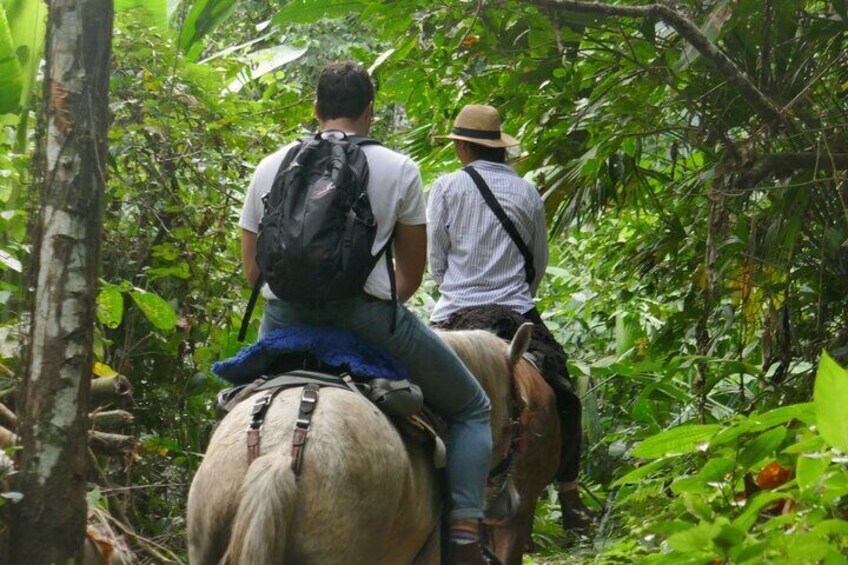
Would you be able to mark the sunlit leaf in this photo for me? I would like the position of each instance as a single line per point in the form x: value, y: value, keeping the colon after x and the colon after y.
x: 10, y: 69
x: 159, y: 312
x: 203, y: 17
x: 151, y: 12
x: 761, y: 447
x: 110, y: 307
x: 27, y: 23
x: 266, y: 60
x: 809, y: 469
x: 676, y: 441
x: 641, y: 472
x: 831, y: 399
x: 103, y: 370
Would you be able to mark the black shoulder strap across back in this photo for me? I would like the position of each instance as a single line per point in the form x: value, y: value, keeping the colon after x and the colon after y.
x: 486, y: 192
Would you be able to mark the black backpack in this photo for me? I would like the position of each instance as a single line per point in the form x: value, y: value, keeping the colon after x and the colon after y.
x: 317, y: 230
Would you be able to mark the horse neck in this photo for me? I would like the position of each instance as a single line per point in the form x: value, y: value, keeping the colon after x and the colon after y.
x: 485, y: 356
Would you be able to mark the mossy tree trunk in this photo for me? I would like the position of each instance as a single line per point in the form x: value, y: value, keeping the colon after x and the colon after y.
x: 49, y: 523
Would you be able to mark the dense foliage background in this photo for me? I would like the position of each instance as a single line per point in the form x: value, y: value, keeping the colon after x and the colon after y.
x: 699, y: 240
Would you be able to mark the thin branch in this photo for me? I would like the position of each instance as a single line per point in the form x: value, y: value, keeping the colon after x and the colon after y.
x: 763, y: 105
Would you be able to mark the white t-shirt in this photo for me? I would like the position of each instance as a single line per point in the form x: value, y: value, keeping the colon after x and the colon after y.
x: 395, y: 191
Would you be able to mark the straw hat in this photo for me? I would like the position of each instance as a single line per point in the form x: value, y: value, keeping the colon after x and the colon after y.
x: 480, y: 124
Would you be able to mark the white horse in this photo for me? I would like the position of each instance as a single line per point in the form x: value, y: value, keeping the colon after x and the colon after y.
x: 365, y: 494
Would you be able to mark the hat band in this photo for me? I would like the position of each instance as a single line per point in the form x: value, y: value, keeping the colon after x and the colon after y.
x: 476, y: 133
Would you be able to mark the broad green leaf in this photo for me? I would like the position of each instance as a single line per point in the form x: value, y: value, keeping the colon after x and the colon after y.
x: 264, y: 61
x: 159, y: 312
x: 641, y: 472
x: 831, y: 399
x: 697, y: 539
x: 627, y: 332
x: 692, y: 485
x: 831, y: 527
x: 150, y: 12
x: 752, y: 509
x: 761, y: 447
x: 716, y: 469
x: 804, y: 412
x: 27, y: 23
x: 10, y: 69
x: 809, y: 469
x: 810, y: 445
x: 110, y: 307
x: 676, y: 441
x: 835, y: 557
x: 204, y: 16
x: 306, y: 11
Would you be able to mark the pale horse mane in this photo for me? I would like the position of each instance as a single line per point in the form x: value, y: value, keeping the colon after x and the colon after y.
x: 364, y: 495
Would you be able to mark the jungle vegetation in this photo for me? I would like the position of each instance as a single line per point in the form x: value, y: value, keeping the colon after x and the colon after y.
x: 692, y: 156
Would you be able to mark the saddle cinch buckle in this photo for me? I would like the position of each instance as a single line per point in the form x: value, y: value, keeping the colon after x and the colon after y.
x: 308, y: 400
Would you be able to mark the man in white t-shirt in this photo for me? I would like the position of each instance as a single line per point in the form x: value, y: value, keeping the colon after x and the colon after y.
x: 344, y: 103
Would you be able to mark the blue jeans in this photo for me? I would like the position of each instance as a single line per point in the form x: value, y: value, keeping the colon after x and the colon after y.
x: 448, y: 386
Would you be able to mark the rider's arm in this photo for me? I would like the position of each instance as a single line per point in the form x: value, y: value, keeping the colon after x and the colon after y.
x: 540, y: 246
x: 410, y: 246
x: 248, y: 256
x: 437, y: 234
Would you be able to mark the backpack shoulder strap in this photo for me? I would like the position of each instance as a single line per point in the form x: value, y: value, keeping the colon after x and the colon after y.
x: 486, y: 192
x: 362, y: 140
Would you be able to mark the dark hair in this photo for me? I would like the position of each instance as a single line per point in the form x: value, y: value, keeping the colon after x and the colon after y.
x: 484, y: 153
x: 344, y: 91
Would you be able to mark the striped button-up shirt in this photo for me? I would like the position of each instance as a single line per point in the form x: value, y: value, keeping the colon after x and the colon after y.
x: 471, y: 256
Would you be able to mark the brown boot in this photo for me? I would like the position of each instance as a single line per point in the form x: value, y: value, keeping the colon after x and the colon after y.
x: 576, y: 516
x: 468, y: 554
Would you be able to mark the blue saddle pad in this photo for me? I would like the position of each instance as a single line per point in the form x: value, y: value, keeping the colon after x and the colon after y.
x: 337, y: 348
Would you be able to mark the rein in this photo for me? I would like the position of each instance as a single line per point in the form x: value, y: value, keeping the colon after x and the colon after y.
x: 513, y: 428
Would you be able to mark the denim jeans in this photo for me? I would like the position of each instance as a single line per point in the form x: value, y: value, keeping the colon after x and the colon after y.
x: 448, y: 386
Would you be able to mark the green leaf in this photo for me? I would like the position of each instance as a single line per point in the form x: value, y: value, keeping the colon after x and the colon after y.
x: 264, y: 61
x: 307, y: 11
x: 27, y: 23
x: 159, y: 312
x: 752, y: 509
x: 697, y: 539
x: 204, y: 16
x: 804, y: 412
x: 110, y: 307
x: 151, y: 12
x: 761, y: 447
x: 641, y: 472
x: 676, y: 441
x: 831, y: 399
x: 809, y: 469
x: 10, y: 69
x: 716, y: 469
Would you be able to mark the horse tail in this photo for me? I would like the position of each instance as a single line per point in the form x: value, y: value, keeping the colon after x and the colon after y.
x: 266, y: 508
x: 519, y: 344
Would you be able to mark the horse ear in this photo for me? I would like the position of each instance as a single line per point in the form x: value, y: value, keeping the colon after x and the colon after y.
x: 519, y: 344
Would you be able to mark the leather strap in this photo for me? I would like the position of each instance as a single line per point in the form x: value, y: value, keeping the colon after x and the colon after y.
x: 308, y: 402
x: 251, y: 304
x: 486, y: 193
x: 513, y: 427
x: 260, y: 408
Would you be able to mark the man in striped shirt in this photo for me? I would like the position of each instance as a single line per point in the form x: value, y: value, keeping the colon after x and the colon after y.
x: 488, y: 251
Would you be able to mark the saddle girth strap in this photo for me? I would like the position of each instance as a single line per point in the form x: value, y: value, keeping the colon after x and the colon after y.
x: 308, y: 401
x: 260, y: 408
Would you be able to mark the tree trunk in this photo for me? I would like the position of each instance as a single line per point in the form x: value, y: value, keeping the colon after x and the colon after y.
x: 49, y: 523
